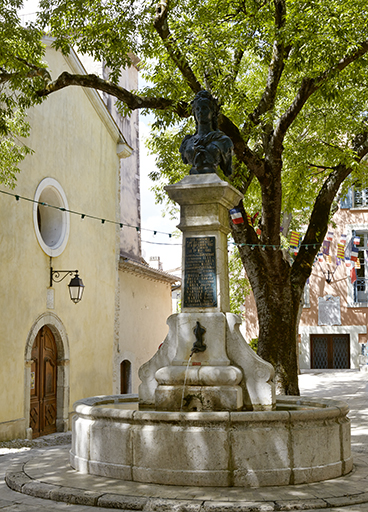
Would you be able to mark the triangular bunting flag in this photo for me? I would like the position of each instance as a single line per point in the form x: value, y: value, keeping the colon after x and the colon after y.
x: 294, y: 239
x: 340, y: 251
x: 353, y: 276
x: 354, y: 254
x: 236, y: 216
x: 326, y: 247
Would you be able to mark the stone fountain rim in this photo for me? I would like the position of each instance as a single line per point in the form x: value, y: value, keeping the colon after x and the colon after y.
x: 299, y: 409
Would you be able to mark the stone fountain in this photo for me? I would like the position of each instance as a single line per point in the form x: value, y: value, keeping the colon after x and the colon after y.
x: 207, y: 414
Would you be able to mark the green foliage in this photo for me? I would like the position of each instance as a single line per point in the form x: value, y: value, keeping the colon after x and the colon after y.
x: 318, y: 34
x: 238, y: 283
x: 11, y: 152
x: 208, y: 36
x: 253, y: 343
x: 21, y: 73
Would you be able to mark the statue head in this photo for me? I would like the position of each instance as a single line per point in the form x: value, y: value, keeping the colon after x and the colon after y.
x: 205, y: 101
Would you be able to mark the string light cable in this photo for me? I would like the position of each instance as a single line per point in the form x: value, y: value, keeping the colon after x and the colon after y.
x: 138, y: 228
x: 88, y: 216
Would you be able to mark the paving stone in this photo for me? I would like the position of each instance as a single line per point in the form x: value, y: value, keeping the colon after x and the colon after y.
x: 240, y: 506
x: 122, y: 502
x: 75, y: 496
x: 38, y: 489
x: 300, y: 504
x: 344, y: 501
x: 16, y: 479
x: 161, y: 505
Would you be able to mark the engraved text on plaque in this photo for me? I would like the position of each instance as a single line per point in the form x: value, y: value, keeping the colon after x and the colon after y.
x: 200, y: 290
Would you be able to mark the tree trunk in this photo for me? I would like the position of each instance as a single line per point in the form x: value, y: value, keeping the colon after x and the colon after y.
x: 277, y: 298
x: 278, y: 318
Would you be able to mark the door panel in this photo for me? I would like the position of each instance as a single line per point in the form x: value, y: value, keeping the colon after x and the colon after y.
x: 330, y: 351
x: 43, y: 384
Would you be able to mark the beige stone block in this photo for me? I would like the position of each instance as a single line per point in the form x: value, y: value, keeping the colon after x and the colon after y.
x: 116, y: 447
x: 316, y: 443
x: 162, y: 357
x: 106, y: 469
x: 199, y: 375
x: 80, y: 443
x: 261, y: 477
x: 317, y: 473
x: 345, y: 437
x: 199, y: 398
x: 260, y: 446
x: 180, y: 477
x: 202, y: 188
x: 178, y: 454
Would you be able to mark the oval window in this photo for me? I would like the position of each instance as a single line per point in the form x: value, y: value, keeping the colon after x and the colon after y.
x: 50, y: 221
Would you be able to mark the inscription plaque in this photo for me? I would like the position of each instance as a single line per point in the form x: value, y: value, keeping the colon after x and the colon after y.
x: 200, y: 290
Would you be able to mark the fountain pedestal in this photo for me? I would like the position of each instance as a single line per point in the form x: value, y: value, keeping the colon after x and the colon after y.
x: 219, y: 372
x: 202, y: 379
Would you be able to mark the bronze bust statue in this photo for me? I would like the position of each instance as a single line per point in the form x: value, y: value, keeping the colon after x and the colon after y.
x: 208, y: 148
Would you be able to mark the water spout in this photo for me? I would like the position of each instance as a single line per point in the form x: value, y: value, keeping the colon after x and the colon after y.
x: 198, y: 345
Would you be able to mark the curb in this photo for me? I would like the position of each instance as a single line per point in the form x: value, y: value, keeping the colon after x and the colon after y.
x: 19, y: 481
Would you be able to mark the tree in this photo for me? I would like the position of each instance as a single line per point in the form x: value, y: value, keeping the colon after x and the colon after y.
x: 21, y: 71
x: 291, y: 78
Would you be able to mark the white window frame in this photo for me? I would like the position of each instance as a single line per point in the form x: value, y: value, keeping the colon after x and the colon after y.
x: 357, y: 228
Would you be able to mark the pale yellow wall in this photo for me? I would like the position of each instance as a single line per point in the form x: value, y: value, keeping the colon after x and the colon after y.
x: 72, y: 145
x: 145, y: 304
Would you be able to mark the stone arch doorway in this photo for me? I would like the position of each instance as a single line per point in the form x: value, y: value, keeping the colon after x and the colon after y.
x: 47, y: 329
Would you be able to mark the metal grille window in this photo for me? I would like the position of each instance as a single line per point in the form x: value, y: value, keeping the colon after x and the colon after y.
x: 330, y: 351
x: 360, y: 287
x: 360, y: 198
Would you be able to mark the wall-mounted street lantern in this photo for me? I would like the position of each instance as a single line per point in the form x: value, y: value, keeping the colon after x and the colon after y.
x: 76, y: 286
x: 328, y: 274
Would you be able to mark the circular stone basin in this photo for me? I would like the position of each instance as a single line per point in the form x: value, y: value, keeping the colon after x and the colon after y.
x: 302, y: 441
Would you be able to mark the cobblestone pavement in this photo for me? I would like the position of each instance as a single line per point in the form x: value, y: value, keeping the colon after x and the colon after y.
x: 45, y: 461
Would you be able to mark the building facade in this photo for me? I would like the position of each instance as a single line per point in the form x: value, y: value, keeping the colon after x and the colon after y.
x: 65, y: 214
x: 333, y: 324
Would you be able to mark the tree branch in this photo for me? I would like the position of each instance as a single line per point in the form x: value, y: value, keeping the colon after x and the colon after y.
x: 35, y: 71
x: 241, y: 149
x: 307, y: 88
x: 162, y: 28
x: 319, y: 218
x: 275, y: 69
x: 236, y: 65
x: 131, y: 100
x: 43, y: 72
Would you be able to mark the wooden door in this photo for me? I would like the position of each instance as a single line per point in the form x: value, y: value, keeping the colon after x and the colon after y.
x: 330, y: 351
x: 43, y: 384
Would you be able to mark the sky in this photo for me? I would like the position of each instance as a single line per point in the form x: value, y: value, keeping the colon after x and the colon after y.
x: 168, y: 249
x: 152, y: 217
